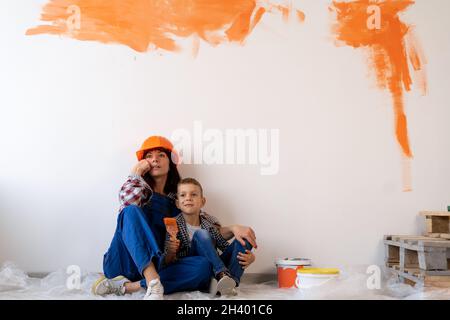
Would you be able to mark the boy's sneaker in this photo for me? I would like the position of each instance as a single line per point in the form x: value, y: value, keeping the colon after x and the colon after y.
x: 225, y: 284
x: 104, y: 286
x: 234, y: 292
x: 155, y: 290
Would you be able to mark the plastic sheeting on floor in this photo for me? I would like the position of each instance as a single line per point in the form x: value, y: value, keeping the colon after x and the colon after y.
x: 352, y: 284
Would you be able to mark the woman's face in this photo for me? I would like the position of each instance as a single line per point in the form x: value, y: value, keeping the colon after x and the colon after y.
x: 159, y: 163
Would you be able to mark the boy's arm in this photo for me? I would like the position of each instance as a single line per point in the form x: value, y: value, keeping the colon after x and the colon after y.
x: 168, y: 257
x: 221, y: 243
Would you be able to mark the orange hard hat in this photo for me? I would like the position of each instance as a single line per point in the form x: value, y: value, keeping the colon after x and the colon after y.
x: 157, y: 142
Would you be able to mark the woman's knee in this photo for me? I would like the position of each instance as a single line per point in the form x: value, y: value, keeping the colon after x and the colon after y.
x: 132, y: 212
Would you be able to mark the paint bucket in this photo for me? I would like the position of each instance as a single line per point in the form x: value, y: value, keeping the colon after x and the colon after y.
x: 287, y: 270
x: 312, y: 277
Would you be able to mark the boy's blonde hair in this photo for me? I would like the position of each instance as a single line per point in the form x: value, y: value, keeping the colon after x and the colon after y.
x: 191, y: 181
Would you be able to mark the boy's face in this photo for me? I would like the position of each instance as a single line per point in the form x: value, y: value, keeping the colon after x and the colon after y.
x: 190, y: 199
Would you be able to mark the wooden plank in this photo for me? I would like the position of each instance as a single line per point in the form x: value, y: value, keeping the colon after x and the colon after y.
x: 409, y: 278
x: 437, y: 243
x: 413, y: 271
x: 434, y: 235
x: 401, y: 244
x: 442, y: 236
x: 440, y: 282
x: 427, y: 273
x: 408, y: 259
x: 430, y: 275
x: 434, y: 241
x: 427, y: 256
x: 392, y: 254
x: 440, y: 224
x: 428, y: 225
x: 419, y: 246
x: 433, y: 260
x: 436, y: 284
x: 405, y: 237
x: 435, y: 213
x: 391, y: 264
x: 428, y: 281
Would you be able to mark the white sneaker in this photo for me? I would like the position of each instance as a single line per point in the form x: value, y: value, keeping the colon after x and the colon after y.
x: 225, y: 286
x: 155, y: 290
x: 213, y: 287
x: 104, y: 286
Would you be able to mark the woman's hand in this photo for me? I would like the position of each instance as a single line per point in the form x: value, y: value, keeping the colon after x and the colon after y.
x: 242, y: 233
x: 246, y: 259
x: 141, y: 168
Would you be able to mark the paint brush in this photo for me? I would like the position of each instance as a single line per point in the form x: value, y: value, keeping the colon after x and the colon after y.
x: 171, y: 227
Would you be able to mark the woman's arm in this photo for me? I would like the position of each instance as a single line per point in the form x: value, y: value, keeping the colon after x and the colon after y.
x: 237, y: 231
x: 241, y: 233
x: 226, y: 232
x: 135, y: 191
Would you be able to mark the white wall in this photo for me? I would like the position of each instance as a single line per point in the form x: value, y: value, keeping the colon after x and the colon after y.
x: 73, y: 113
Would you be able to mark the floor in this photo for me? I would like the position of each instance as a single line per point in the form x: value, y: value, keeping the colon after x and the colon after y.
x: 16, y: 284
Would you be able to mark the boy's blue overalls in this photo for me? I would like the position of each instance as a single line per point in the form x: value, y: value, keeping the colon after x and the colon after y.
x: 138, y: 240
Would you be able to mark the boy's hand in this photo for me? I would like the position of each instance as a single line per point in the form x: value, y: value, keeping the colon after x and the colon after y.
x: 174, y: 245
x: 246, y: 259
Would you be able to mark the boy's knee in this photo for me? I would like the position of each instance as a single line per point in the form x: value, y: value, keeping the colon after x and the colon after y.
x: 242, y: 248
x: 201, y: 234
x: 248, y: 246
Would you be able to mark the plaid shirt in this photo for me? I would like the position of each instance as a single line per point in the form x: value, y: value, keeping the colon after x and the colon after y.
x: 207, y: 222
x: 135, y: 191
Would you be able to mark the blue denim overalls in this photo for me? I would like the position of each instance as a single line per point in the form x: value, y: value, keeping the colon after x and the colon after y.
x: 139, y: 239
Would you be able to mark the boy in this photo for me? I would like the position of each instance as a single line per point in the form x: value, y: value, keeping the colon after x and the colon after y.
x: 197, y: 236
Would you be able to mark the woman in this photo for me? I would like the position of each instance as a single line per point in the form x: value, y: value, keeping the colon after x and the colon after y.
x: 133, y: 258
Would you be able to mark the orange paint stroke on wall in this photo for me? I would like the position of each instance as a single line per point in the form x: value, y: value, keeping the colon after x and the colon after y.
x: 301, y: 16
x: 146, y: 24
x: 390, y: 45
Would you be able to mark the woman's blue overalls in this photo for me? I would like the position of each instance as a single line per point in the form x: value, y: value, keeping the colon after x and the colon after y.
x: 139, y: 240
